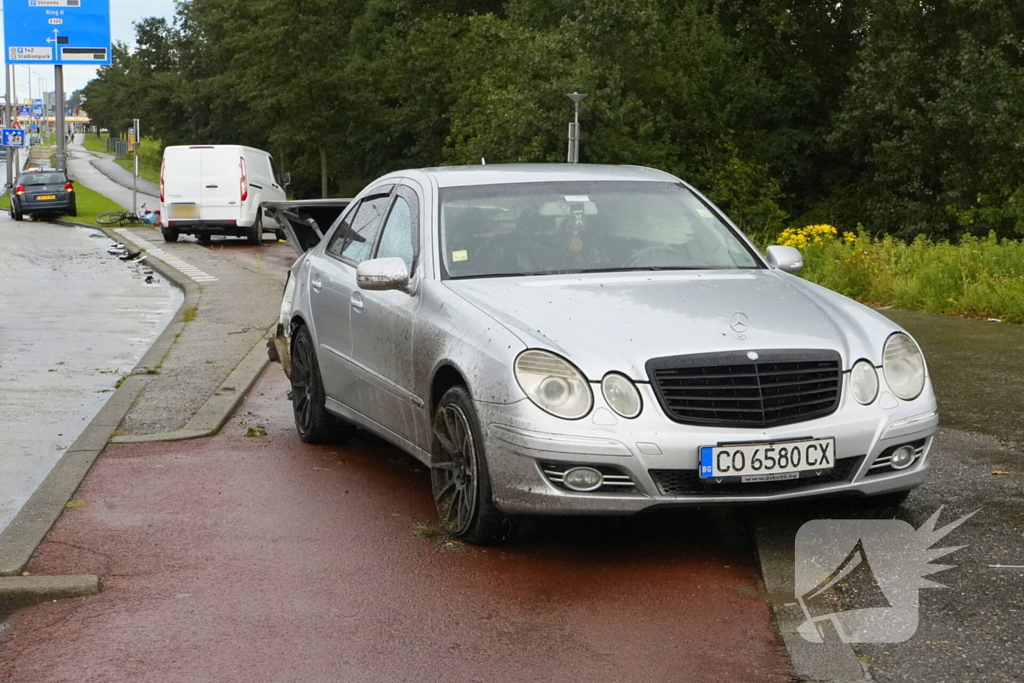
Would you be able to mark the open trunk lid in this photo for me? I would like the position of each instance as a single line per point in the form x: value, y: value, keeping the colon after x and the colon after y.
x: 306, y: 221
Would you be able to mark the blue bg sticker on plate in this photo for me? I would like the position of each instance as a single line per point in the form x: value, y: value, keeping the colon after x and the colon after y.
x: 707, y: 457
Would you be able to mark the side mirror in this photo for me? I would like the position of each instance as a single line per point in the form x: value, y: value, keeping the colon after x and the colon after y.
x: 383, y: 274
x: 788, y: 259
x: 286, y: 179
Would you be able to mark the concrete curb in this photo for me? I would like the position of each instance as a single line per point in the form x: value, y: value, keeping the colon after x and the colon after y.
x: 29, y: 527
x: 22, y: 591
x: 831, y: 662
x: 217, y: 410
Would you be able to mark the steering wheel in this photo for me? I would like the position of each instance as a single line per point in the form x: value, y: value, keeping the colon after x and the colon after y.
x: 640, y: 259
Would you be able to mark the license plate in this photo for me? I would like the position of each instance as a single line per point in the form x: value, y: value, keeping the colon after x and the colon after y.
x: 757, y: 462
x: 183, y: 211
x: 46, y: 196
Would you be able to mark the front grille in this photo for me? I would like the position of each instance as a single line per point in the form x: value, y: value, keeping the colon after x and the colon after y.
x: 615, y: 480
x: 689, y: 483
x: 731, y: 390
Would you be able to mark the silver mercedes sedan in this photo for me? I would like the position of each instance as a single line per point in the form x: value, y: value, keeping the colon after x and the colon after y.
x: 575, y: 339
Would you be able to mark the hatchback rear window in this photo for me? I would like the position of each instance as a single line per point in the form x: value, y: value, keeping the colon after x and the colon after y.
x: 42, y: 179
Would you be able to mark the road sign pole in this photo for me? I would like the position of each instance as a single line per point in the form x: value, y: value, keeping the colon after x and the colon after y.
x: 135, y: 176
x: 8, y: 120
x: 58, y: 96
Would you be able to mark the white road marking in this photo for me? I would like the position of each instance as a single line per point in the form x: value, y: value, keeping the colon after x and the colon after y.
x: 171, y: 260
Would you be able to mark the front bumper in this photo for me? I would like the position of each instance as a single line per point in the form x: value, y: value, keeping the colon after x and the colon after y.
x: 660, y: 457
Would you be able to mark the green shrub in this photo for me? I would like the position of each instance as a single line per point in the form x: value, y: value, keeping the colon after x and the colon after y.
x: 977, y: 277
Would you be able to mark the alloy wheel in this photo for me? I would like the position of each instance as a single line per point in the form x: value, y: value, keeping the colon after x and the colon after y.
x: 454, y: 473
x: 301, y: 384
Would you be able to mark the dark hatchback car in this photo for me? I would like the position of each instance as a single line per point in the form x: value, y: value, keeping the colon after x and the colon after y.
x: 43, y: 191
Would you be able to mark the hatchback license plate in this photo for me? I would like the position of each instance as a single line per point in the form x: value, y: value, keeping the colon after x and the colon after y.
x: 46, y: 196
x: 758, y: 462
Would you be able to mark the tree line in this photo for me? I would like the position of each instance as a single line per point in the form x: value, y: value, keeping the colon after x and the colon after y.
x: 903, y: 116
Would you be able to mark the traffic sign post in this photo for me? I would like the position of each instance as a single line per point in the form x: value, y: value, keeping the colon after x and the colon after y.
x: 57, y: 32
x: 12, y: 137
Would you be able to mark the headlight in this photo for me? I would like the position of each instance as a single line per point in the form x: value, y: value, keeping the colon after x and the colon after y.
x: 864, y: 382
x: 554, y: 384
x: 903, y: 366
x: 621, y: 394
x: 286, y: 302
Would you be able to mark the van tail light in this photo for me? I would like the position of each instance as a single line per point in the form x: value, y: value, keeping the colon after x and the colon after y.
x: 163, y: 166
x: 68, y: 187
x: 20, y: 189
x: 243, y: 182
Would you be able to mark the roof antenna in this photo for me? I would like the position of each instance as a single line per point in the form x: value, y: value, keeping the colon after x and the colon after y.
x: 483, y: 162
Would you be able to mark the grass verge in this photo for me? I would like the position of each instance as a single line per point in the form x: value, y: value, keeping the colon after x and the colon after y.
x: 976, y: 277
x: 96, y: 142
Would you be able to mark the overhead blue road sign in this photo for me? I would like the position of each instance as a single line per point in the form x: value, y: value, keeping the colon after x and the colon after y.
x: 12, y: 137
x: 57, y: 31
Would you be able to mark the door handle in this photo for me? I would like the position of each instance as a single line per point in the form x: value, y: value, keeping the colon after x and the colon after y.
x: 211, y: 186
x: 357, y: 301
x: 314, y: 281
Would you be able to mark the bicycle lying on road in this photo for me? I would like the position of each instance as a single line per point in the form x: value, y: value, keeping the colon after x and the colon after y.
x: 129, y: 218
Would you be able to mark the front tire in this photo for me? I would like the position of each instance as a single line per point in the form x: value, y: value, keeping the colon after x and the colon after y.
x: 312, y: 421
x: 459, y: 476
x: 169, y: 234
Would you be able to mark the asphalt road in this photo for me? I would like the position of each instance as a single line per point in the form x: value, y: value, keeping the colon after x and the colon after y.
x: 240, y: 559
x: 72, y: 320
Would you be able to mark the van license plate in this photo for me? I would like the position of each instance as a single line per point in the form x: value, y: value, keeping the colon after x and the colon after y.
x: 183, y: 211
x: 752, y: 463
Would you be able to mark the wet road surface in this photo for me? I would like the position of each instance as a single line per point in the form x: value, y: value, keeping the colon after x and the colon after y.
x: 73, y: 319
x: 240, y: 559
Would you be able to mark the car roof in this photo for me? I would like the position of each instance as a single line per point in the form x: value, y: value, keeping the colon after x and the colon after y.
x: 493, y: 174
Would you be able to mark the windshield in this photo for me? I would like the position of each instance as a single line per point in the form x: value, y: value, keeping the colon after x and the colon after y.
x: 582, y: 227
x: 41, y: 179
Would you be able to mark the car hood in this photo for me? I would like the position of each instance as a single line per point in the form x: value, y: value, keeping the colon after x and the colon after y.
x: 604, y: 322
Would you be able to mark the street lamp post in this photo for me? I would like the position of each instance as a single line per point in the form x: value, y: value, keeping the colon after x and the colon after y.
x: 574, y: 128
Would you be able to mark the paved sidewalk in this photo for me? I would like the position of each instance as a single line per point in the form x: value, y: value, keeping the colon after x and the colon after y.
x: 81, y: 167
x: 237, y: 293
x: 105, y: 163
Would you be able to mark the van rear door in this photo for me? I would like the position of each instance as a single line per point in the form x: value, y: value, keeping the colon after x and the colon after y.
x: 183, y: 189
x: 221, y: 173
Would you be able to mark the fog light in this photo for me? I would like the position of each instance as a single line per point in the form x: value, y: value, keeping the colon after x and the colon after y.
x: 583, y: 479
x: 902, y: 457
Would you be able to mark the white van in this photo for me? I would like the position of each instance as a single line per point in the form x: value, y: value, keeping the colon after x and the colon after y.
x: 217, y: 190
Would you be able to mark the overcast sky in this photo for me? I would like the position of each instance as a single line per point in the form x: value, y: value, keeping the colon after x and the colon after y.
x: 123, y: 13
